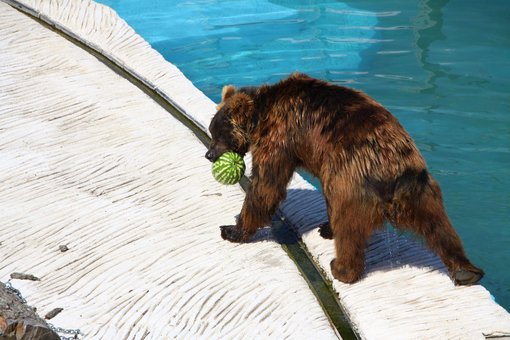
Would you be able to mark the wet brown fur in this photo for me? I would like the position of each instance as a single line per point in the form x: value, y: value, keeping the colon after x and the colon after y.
x: 370, y: 169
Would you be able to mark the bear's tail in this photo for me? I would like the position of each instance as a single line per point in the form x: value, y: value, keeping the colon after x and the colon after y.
x: 394, y: 196
x: 412, y: 187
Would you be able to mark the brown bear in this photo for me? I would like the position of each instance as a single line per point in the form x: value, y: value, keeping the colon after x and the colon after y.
x: 369, y: 167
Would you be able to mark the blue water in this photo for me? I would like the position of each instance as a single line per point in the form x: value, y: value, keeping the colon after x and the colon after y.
x: 442, y: 67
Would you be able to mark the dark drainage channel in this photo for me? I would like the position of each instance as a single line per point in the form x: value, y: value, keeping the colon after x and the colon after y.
x: 281, y: 229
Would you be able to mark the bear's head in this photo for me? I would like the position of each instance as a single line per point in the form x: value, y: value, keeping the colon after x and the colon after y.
x: 232, y: 124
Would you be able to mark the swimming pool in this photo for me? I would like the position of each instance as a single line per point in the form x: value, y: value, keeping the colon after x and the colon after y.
x: 440, y: 66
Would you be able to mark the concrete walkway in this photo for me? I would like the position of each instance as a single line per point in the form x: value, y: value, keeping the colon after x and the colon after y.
x: 89, y: 161
x: 120, y: 161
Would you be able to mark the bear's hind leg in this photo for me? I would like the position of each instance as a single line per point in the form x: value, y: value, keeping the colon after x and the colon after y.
x: 422, y: 211
x: 352, y: 222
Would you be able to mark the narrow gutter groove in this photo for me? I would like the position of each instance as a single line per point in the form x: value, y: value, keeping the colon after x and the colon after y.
x: 319, y: 285
x: 290, y: 242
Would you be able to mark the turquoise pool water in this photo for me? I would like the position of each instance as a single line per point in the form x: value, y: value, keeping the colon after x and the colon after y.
x: 442, y: 67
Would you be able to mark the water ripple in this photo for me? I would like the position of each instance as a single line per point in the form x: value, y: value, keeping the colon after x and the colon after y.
x: 356, y: 40
x: 377, y: 28
x: 394, y: 52
x: 363, y: 13
x: 393, y: 76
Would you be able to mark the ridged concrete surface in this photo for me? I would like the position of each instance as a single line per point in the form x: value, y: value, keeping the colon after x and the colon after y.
x: 406, y: 292
x: 89, y: 161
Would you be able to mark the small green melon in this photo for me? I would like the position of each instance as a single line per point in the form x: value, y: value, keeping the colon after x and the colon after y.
x: 228, y: 168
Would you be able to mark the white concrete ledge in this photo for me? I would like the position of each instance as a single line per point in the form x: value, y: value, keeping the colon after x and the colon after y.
x: 406, y: 292
x: 89, y: 161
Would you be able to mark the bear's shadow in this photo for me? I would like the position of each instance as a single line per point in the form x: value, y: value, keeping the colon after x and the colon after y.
x: 387, y: 249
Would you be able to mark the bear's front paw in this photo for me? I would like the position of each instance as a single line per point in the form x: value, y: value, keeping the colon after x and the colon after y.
x: 232, y: 233
x: 344, y: 274
x: 325, y: 231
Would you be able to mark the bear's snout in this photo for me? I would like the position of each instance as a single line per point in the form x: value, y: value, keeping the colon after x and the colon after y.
x: 211, y: 155
x: 216, y: 149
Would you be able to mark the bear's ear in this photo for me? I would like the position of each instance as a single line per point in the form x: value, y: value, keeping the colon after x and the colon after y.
x: 227, y: 92
x: 241, y: 109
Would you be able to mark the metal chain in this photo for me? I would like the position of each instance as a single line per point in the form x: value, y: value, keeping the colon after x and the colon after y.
x: 62, y: 332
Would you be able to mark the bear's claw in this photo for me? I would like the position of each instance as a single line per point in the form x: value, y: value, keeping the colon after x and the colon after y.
x: 467, y: 278
x: 325, y: 231
x: 232, y: 233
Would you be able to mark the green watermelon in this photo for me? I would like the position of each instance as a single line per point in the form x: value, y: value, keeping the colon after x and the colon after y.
x: 228, y: 168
